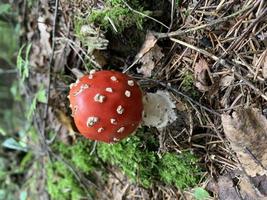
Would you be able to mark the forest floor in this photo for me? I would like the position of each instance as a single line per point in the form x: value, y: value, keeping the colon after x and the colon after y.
x: 208, y: 56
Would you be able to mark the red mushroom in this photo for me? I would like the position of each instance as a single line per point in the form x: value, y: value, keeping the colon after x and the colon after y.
x: 106, y: 105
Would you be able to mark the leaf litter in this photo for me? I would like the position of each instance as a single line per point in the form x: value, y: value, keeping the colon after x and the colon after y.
x: 202, y: 75
x: 246, y: 129
x: 204, y: 130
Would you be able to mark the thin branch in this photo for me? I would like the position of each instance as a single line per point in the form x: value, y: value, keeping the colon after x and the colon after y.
x: 172, y: 14
x: 144, y: 15
x: 213, y: 23
x: 225, y: 64
x: 49, y: 70
x: 257, y: 161
x: 246, y: 32
x: 75, y: 174
x: 189, y: 99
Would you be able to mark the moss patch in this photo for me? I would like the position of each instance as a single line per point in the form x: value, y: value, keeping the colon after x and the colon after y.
x: 179, y: 170
x: 115, y: 16
x: 136, y: 162
x: 136, y: 156
x: 61, y: 184
x: 138, y: 159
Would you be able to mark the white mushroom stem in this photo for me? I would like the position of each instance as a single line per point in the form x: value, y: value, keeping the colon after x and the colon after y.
x: 158, y: 109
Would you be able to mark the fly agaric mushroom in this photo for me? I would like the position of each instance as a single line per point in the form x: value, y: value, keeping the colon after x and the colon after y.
x: 106, y: 105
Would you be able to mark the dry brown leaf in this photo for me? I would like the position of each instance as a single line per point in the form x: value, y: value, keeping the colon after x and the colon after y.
x: 247, y: 132
x: 149, y: 61
x: 63, y: 126
x: 226, y: 188
x: 264, y: 65
x: 202, y: 75
x: 61, y: 54
x: 261, y: 183
x: 148, y: 44
x: 44, y: 35
x: 249, y: 191
x: 41, y: 49
x: 227, y: 80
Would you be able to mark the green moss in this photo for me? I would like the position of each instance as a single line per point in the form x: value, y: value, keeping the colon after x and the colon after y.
x: 138, y: 160
x: 79, y: 154
x: 179, y: 170
x: 136, y: 157
x: 61, y: 184
x: 115, y: 13
x: 121, y: 17
x: 188, y: 82
x: 136, y: 163
x: 187, y: 85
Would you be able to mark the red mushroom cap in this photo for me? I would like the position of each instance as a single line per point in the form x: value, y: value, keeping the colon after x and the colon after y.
x: 106, y: 105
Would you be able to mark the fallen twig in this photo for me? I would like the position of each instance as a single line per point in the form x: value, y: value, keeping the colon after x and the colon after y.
x: 213, y: 23
x: 185, y: 96
x: 224, y: 63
